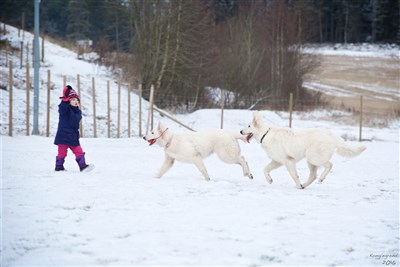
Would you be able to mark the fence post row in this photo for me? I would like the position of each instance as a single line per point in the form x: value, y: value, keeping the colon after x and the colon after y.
x: 150, y: 118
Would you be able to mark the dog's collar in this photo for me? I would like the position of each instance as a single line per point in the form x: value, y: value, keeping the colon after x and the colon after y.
x: 262, y: 138
x: 169, y: 142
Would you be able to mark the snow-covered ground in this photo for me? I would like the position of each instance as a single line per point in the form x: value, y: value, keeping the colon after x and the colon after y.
x: 118, y: 214
x: 355, y: 50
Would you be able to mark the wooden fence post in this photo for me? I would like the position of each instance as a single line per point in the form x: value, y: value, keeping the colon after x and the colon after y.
x: 152, y: 106
x: 290, y: 109
x: 27, y: 53
x: 140, y: 109
x: 108, y: 110
x: 222, y: 108
x: 10, y: 128
x: 361, y: 118
x: 119, y: 108
x: 94, y: 108
x: 78, y: 81
x: 150, y: 113
x: 48, y: 103
x: 64, y: 81
x: 28, y: 90
x: 6, y: 50
x: 129, y: 109
x: 21, y: 54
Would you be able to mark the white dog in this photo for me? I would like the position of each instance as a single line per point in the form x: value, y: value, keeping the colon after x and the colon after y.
x: 286, y: 147
x: 192, y: 147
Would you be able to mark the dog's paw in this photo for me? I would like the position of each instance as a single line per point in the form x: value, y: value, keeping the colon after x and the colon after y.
x: 300, y: 186
x: 269, y: 181
x: 251, y: 176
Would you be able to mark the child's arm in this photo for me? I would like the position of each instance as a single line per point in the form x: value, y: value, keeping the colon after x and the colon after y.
x: 63, y: 107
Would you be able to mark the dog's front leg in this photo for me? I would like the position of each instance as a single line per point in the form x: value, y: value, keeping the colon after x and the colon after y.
x: 168, y: 162
x: 271, y: 166
x: 200, y: 165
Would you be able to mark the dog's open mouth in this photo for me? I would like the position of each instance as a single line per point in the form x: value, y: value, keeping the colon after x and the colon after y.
x: 151, y: 141
x: 248, y: 137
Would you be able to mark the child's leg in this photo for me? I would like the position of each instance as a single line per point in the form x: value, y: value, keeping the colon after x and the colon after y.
x: 62, y: 151
x: 80, y: 157
x: 77, y: 150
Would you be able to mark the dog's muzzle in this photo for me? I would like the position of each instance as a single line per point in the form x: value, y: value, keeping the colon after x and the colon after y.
x: 248, y: 136
x: 150, y: 141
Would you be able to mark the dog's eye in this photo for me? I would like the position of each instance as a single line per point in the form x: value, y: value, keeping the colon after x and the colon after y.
x: 248, y: 126
x: 152, y: 132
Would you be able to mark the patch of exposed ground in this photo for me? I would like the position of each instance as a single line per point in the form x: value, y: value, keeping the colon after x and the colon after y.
x: 343, y: 79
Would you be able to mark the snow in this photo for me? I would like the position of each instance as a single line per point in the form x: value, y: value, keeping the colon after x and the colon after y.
x: 354, y: 50
x: 119, y: 215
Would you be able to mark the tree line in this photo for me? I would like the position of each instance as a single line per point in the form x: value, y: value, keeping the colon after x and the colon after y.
x: 250, y: 48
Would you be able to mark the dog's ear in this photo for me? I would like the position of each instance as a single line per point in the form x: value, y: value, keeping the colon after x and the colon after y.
x: 256, y: 117
x: 161, y: 126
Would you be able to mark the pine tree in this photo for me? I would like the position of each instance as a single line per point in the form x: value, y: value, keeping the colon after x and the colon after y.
x: 78, y: 26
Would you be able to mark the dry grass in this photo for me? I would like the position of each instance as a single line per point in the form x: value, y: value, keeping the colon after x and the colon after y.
x: 376, y: 79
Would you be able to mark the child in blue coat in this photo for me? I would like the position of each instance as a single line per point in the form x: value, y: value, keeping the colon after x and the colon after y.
x: 68, y: 130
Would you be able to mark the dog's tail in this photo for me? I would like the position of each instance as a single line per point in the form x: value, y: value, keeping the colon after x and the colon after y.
x: 350, y: 151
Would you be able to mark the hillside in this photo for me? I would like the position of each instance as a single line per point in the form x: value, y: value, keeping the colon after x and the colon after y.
x: 343, y: 75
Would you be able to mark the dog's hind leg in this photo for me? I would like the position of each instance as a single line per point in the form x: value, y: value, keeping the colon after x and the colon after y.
x: 200, y: 165
x: 328, y: 166
x: 231, y: 154
x: 168, y: 162
x: 271, y: 166
x: 313, y: 174
x: 291, y: 167
x: 245, y: 167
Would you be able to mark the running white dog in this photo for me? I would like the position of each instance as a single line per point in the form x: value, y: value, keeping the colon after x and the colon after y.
x: 192, y: 147
x: 286, y: 147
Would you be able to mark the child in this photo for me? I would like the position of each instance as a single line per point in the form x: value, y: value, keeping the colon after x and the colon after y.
x: 68, y: 130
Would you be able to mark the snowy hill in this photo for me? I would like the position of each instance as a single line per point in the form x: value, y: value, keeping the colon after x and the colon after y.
x: 119, y: 215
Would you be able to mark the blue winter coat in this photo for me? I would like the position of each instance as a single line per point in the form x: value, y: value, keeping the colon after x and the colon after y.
x: 68, y: 125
